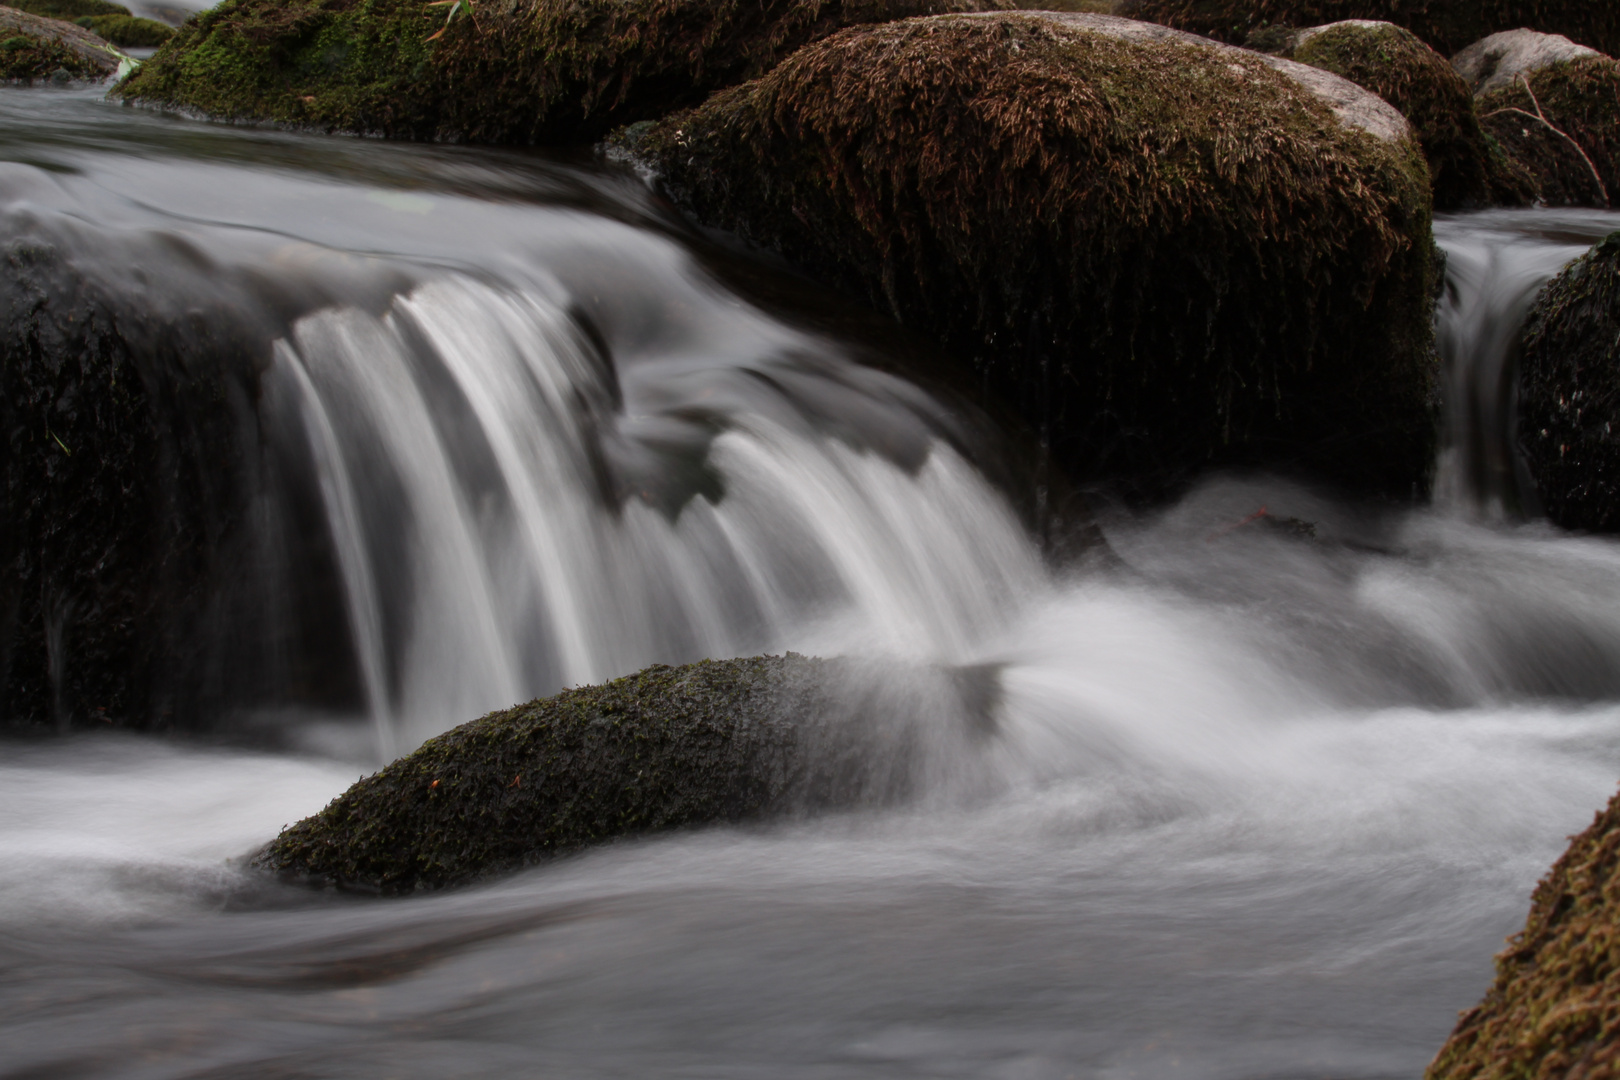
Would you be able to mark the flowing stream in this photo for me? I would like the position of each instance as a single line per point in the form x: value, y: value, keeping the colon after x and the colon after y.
x: 1264, y: 805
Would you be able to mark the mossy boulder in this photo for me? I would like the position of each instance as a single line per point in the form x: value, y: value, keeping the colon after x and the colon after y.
x: 667, y: 748
x: 1166, y: 253
x: 127, y: 30
x: 1569, y: 392
x: 1560, y: 125
x: 34, y: 49
x: 1446, y: 25
x: 1553, y: 1012
x: 502, y: 71
x: 1395, y: 64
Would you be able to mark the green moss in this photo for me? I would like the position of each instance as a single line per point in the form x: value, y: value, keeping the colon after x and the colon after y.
x: 1447, y: 25
x: 1397, y: 66
x: 1165, y: 256
x: 1553, y: 1011
x: 1581, y: 98
x: 667, y: 748
x: 30, y: 58
x: 518, y: 71
x: 126, y: 30
x: 1569, y: 392
x: 69, y: 9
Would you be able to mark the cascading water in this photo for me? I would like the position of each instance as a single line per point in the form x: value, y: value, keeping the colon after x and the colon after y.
x: 1264, y: 803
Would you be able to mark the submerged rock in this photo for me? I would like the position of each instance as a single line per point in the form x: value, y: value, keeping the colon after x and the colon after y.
x: 34, y: 49
x: 1559, y: 121
x: 667, y: 748
x: 1395, y: 64
x: 516, y: 71
x: 1554, y: 1009
x: 1569, y: 392
x: 1447, y: 25
x: 1166, y: 253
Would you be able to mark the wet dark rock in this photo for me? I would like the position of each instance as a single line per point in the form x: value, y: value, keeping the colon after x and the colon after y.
x: 1059, y: 199
x: 1446, y: 25
x: 36, y: 49
x: 525, y: 71
x: 1569, y: 392
x: 1557, y: 119
x: 1553, y: 1010
x: 1395, y: 64
x: 667, y: 748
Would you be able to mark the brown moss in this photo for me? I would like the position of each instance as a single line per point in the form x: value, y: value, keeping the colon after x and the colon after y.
x: 513, y: 71
x: 666, y: 748
x: 1164, y: 255
x: 1396, y: 65
x: 1569, y: 392
x: 1446, y: 25
x: 33, y: 48
x: 1554, y: 1009
x: 1581, y: 99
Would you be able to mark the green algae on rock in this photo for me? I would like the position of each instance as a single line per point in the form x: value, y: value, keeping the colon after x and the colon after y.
x: 507, y: 71
x: 1560, y: 125
x: 1553, y: 1012
x: 1395, y: 64
x: 1569, y: 392
x: 1167, y: 254
x: 33, y: 48
x: 1447, y: 25
x: 667, y: 748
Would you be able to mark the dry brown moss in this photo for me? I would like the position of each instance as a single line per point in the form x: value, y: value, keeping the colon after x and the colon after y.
x: 1396, y: 65
x: 1447, y: 25
x: 1164, y: 255
x: 1569, y: 392
x: 514, y: 71
x: 1554, y: 1010
x: 1581, y: 99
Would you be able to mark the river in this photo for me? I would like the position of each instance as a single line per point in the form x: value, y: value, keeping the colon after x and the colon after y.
x: 1264, y: 805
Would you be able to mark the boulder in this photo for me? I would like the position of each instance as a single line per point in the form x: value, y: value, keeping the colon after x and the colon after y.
x: 667, y: 748
x: 1446, y: 25
x: 1166, y: 253
x: 34, y: 49
x: 1569, y: 392
x: 113, y: 22
x: 514, y: 71
x: 1554, y: 1009
x: 1555, y: 110
x: 1395, y: 64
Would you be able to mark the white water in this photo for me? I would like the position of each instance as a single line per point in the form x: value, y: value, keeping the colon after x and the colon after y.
x: 1265, y: 806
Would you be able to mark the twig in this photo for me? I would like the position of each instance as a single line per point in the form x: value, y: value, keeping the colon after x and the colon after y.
x: 1603, y: 188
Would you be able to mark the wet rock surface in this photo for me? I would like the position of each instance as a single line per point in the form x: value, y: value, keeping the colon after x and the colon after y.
x: 1057, y: 197
x: 37, y: 49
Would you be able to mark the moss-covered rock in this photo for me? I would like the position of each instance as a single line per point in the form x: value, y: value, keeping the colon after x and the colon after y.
x: 1553, y: 1012
x: 502, y: 71
x: 1166, y: 253
x: 127, y: 30
x: 33, y: 48
x: 1446, y: 25
x: 1560, y: 125
x: 69, y: 10
x: 1569, y: 392
x: 1395, y: 64
x: 667, y: 748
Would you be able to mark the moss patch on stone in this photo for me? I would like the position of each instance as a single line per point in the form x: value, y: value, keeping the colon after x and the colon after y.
x: 1446, y: 25
x: 1554, y: 1009
x: 510, y: 71
x: 33, y: 48
x: 1166, y: 256
x: 1569, y: 392
x: 127, y: 30
x: 1581, y: 99
x: 70, y: 10
x: 1396, y: 65
x: 666, y: 748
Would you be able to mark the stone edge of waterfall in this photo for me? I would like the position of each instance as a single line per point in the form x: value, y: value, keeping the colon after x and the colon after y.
x: 668, y: 748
